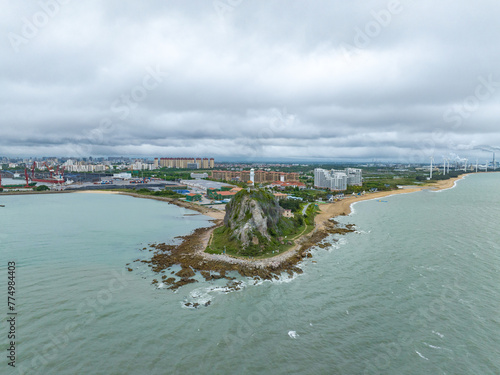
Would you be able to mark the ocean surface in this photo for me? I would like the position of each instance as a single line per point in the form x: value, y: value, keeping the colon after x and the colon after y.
x: 416, y: 290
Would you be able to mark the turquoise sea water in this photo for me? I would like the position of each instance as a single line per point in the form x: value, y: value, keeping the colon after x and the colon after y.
x: 415, y: 291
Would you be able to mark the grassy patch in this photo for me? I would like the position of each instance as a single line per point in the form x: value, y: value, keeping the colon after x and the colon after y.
x: 222, y: 239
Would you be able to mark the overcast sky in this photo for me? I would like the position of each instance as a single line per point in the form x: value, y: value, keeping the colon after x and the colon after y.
x: 246, y: 79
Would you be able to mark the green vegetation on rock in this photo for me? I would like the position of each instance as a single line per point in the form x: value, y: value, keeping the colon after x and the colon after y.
x: 254, y: 226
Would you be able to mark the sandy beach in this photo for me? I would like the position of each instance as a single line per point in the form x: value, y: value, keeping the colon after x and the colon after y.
x: 191, y: 255
x: 323, y: 224
x: 343, y: 207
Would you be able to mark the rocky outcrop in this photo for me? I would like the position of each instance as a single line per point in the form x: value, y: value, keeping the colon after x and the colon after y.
x: 253, y: 217
x: 187, y: 256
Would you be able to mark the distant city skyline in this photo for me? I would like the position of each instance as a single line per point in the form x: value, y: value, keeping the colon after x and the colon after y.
x: 227, y: 160
x: 329, y: 81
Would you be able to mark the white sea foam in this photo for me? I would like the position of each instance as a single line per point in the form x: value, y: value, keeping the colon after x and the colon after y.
x: 293, y: 334
x: 432, y: 346
x: 200, y: 296
x: 362, y: 232
x: 421, y: 356
x: 353, y: 211
x: 437, y: 333
x: 341, y: 241
x: 454, y: 185
x: 282, y: 279
x: 221, y: 289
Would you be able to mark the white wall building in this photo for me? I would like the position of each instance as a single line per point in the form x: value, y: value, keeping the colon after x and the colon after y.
x: 321, y: 178
x: 86, y: 168
x: 334, y: 180
x: 354, y: 176
x: 124, y: 175
x: 199, y: 175
x: 337, y: 179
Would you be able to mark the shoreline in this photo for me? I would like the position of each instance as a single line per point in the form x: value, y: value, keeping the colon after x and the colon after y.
x: 344, y: 207
x: 211, y: 212
x: 191, y: 255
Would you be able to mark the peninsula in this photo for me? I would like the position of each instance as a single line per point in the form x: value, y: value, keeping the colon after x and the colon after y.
x: 250, y: 229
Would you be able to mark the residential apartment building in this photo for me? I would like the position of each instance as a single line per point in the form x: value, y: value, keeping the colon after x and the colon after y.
x: 202, y: 163
x: 259, y: 176
x: 333, y: 180
x: 354, y: 176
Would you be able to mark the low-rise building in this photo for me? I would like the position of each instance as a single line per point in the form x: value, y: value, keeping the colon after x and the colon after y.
x: 259, y: 176
x: 285, y: 184
x: 192, y: 197
x: 123, y: 175
x: 221, y: 195
x: 281, y: 196
x: 199, y: 175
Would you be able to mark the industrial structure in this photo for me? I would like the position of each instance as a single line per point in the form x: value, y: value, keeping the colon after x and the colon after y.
x: 55, y: 177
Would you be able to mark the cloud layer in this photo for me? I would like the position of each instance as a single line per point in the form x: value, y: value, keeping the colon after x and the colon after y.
x: 336, y: 80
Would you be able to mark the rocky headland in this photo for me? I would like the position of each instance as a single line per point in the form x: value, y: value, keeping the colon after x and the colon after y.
x: 253, y: 221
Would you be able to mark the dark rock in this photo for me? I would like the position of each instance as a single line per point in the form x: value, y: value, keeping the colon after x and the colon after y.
x: 185, y: 272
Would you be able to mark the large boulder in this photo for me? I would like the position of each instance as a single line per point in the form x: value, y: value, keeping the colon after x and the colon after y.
x: 253, y: 214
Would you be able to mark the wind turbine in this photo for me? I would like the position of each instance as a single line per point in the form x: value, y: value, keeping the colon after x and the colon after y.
x: 465, y: 165
x: 476, y: 165
x: 430, y: 176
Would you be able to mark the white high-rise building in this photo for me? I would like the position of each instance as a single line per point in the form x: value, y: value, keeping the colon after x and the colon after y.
x: 337, y: 179
x: 334, y: 180
x: 321, y: 178
x: 354, y: 176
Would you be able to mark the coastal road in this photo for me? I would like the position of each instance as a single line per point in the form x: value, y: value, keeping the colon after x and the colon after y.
x: 305, y: 208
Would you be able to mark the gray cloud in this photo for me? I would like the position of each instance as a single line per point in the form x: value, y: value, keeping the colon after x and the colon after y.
x: 413, y: 86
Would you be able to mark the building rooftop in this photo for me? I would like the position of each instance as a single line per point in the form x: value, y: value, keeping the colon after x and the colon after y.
x: 227, y: 193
